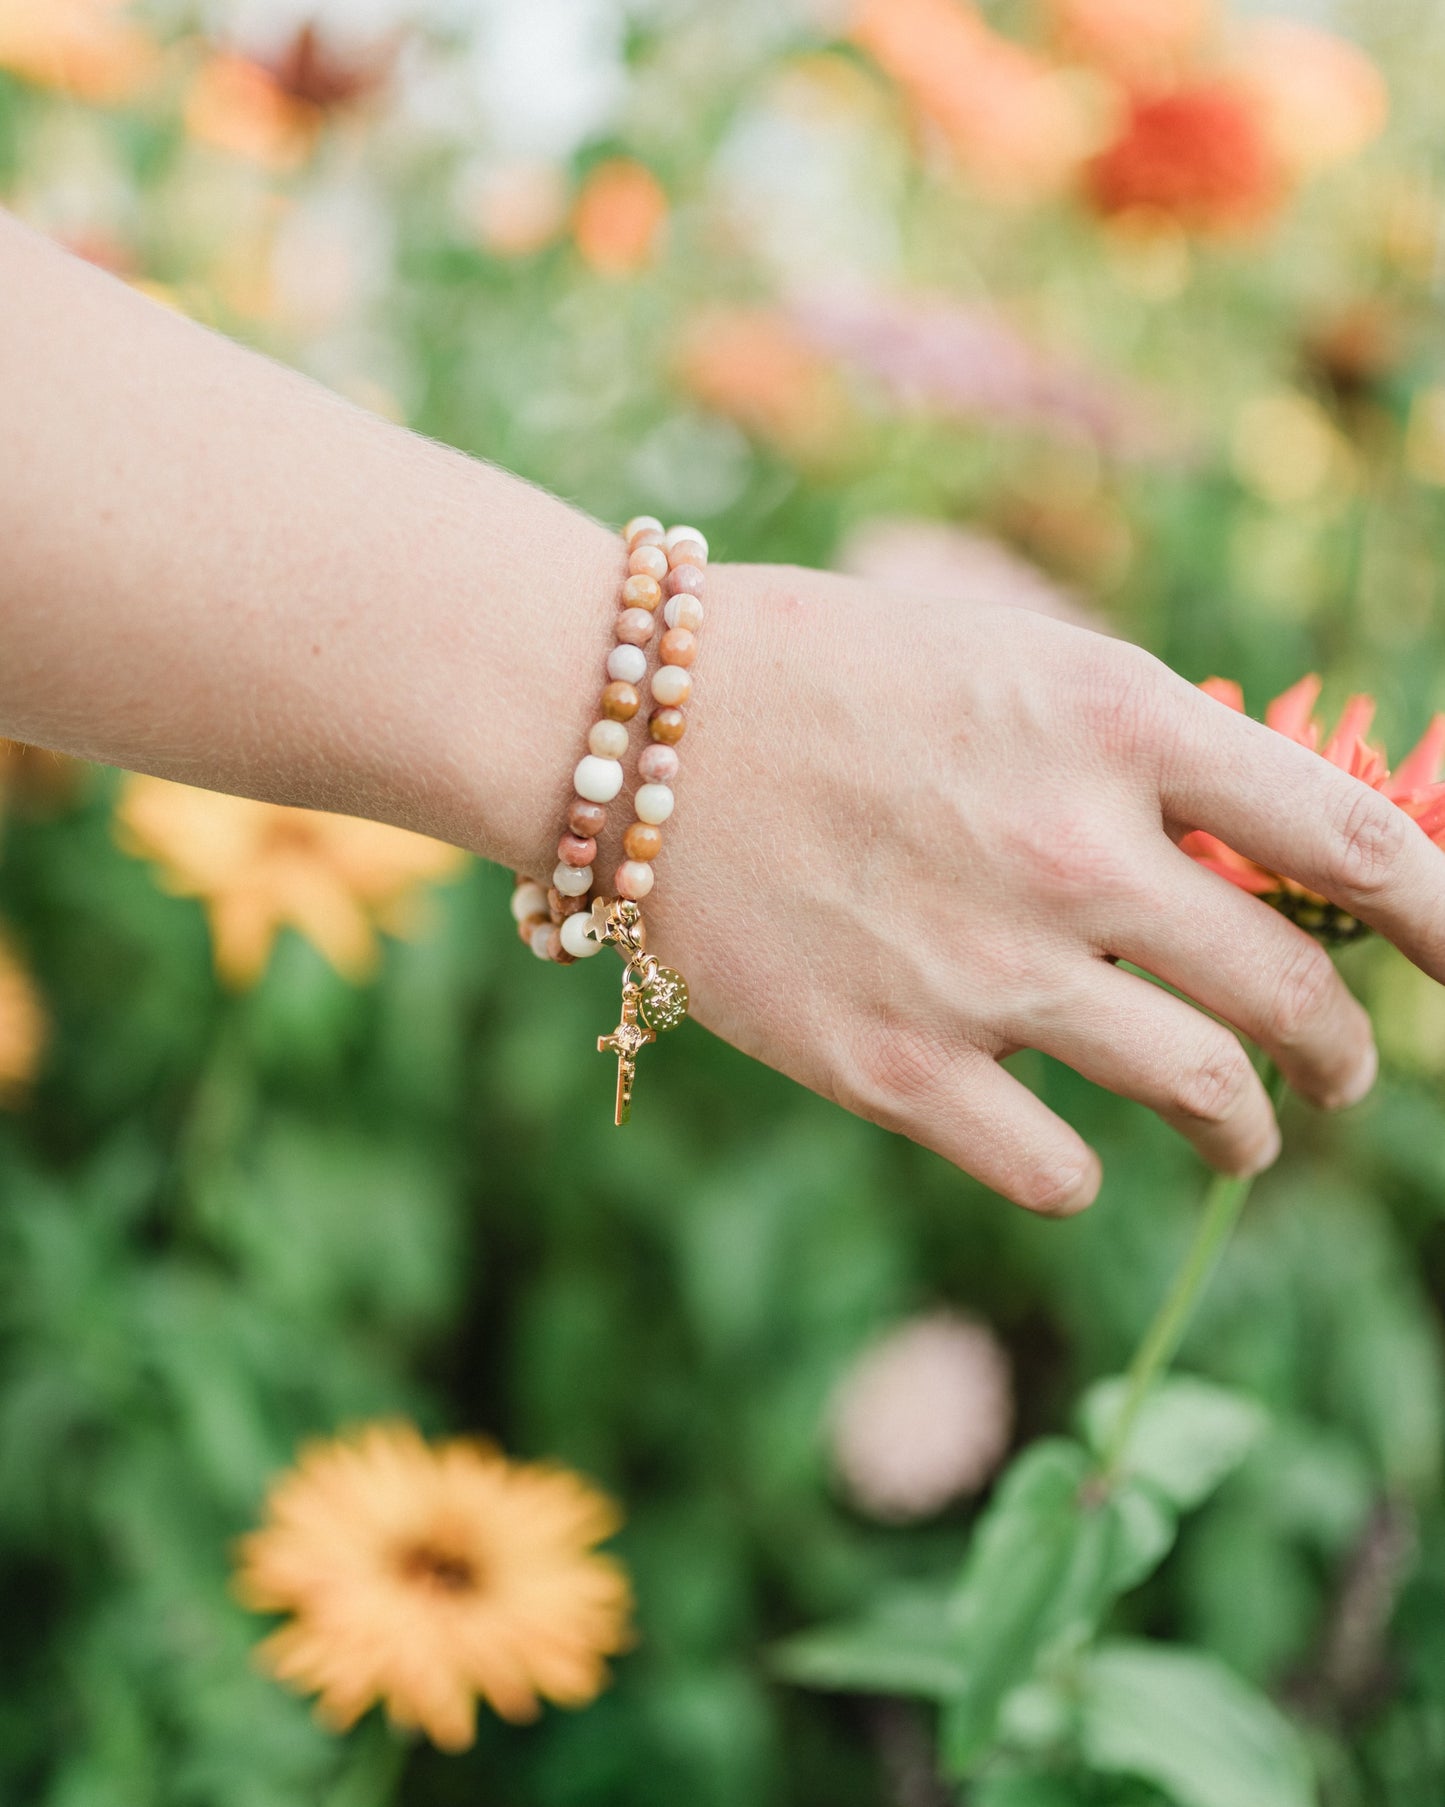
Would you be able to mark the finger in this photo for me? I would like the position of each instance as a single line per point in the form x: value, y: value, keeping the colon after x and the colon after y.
x: 963, y: 1105
x: 1124, y: 1033
x: 1284, y: 806
x: 1246, y: 963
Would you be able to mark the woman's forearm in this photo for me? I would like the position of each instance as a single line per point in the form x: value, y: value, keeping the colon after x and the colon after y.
x: 214, y: 569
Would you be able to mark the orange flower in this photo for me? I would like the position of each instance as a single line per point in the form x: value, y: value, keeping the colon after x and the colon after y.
x: 1414, y: 784
x: 236, y: 105
x: 260, y: 867
x: 84, y: 47
x: 23, y: 1028
x: 618, y: 218
x: 426, y: 1575
x: 1014, y: 124
x: 1202, y: 155
x: 1135, y: 40
x: 753, y: 366
x: 1322, y: 99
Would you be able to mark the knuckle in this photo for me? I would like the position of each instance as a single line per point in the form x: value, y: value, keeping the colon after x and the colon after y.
x: 1070, y: 856
x: 1369, y: 841
x: 1124, y: 696
x: 1213, y: 1091
x: 1304, y: 993
x: 897, y: 1071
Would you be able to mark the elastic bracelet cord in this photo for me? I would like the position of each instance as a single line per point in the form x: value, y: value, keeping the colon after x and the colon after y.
x: 568, y: 921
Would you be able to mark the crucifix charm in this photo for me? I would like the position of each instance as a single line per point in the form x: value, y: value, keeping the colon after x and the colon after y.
x: 654, y: 997
x: 626, y: 1041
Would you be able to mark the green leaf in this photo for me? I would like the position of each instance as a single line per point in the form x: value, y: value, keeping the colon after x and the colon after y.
x: 1183, y: 1721
x: 1188, y: 1435
x: 909, y: 1645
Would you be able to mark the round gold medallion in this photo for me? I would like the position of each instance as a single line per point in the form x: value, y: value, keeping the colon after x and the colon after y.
x: 664, y: 999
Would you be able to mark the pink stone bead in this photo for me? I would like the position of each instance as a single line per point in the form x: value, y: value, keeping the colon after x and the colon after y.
x: 572, y: 850
x: 646, y: 537
x: 677, y: 647
x: 634, y: 626
x: 657, y: 764
x: 686, y: 552
x: 649, y: 561
x: 684, y: 577
x: 683, y: 611
x: 634, y: 879
x: 641, y: 593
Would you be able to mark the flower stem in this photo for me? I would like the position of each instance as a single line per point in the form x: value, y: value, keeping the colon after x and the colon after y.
x: 1223, y: 1203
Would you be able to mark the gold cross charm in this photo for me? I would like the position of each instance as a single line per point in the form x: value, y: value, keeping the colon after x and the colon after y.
x: 626, y: 1041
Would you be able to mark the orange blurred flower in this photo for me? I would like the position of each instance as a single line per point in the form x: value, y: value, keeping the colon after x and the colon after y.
x: 618, y: 218
x: 261, y: 867
x: 1322, y: 99
x: 23, y: 1026
x: 1414, y: 784
x: 236, y: 105
x: 754, y: 366
x: 1014, y: 123
x: 427, y: 1575
x: 1202, y: 155
x: 1139, y: 41
x: 87, y: 48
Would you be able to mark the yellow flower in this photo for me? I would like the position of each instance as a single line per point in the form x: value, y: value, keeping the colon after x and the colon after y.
x: 260, y: 867
x: 84, y: 47
x: 427, y: 1575
x: 23, y: 1027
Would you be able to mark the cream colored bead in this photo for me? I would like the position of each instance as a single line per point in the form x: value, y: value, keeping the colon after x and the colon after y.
x: 544, y: 939
x: 653, y: 803
x: 575, y: 938
x: 627, y: 664
x: 572, y: 881
x: 528, y: 899
x: 683, y: 610
x: 642, y: 523
x: 675, y: 534
x: 598, y: 780
x: 671, y: 686
x: 608, y: 740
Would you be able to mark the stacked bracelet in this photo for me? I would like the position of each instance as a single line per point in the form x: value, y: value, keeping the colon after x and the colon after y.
x: 665, y: 572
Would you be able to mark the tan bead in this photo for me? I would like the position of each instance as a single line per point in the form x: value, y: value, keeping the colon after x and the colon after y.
x: 668, y: 726
x: 620, y: 702
x: 686, y: 552
x: 528, y: 927
x: 573, y: 850
x: 678, y: 646
x: 642, y: 841
x: 634, y: 627
x: 648, y: 561
x: 671, y: 686
x: 586, y: 819
x: 642, y: 592
x: 607, y: 739
x: 560, y: 907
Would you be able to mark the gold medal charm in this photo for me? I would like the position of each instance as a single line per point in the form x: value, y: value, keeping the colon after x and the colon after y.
x: 654, y: 997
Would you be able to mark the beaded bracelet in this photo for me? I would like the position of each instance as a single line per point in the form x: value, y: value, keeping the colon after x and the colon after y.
x: 664, y: 570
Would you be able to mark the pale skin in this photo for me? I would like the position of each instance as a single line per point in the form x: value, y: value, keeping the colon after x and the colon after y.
x: 913, y: 835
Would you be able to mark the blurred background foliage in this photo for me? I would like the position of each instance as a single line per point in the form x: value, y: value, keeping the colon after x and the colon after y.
x: 1126, y: 310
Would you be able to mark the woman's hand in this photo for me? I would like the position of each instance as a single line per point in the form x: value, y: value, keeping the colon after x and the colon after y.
x: 918, y: 835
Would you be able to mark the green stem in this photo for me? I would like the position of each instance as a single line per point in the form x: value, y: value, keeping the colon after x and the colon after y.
x: 1223, y: 1203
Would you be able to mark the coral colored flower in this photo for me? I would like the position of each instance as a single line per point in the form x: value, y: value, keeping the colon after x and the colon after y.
x: 755, y: 366
x: 23, y: 1026
x: 426, y: 1576
x: 619, y: 216
x: 1202, y: 154
x: 237, y: 105
x: 1322, y: 99
x: 260, y: 867
x: 1415, y: 785
x: 87, y: 48
x: 1139, y: 41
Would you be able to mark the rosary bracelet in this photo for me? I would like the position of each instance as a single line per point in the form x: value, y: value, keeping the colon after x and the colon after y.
x: 566, y: 922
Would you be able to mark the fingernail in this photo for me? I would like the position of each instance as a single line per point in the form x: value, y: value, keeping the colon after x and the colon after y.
x: 1082, y: 1189
x: 1360, y: 1082
x: 1267, y: 1155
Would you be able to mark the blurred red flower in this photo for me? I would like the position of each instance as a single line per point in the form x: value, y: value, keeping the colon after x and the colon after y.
x: 1202, y: 154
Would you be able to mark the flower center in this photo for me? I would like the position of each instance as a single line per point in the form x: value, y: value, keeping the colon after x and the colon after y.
x: 441, y: 1571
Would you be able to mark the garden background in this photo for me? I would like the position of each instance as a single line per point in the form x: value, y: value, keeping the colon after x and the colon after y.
x: 1122, y: 309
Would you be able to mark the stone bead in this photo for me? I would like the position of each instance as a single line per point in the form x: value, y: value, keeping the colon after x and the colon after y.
x: 683, y: 611
x: 572, y: 850
x: 684, y: 578
x: 667, y: 725
x: 529, y: 899
x: 634, y: 879
x: 598, y: 780
x: 528, y: 927
x: 572, y: 881
x: 634, y: 627
x: 642, y: 593
x: 676, y: 534
x: 686, y: 552
x: 628, y: 664
x: 678, y: 646
x: 642, y: 841
x: 657, y: 764
x: 608, y: 740
x: 654, y: 802
x: 620, y: 702
x: 545, y: 940
x: 646, y: 538
x: 574, y: 937
x: 586, y: 819
x: 671, y: 686
x: 649, y: 561
x: 641, y: 523
x: 560, y: 907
